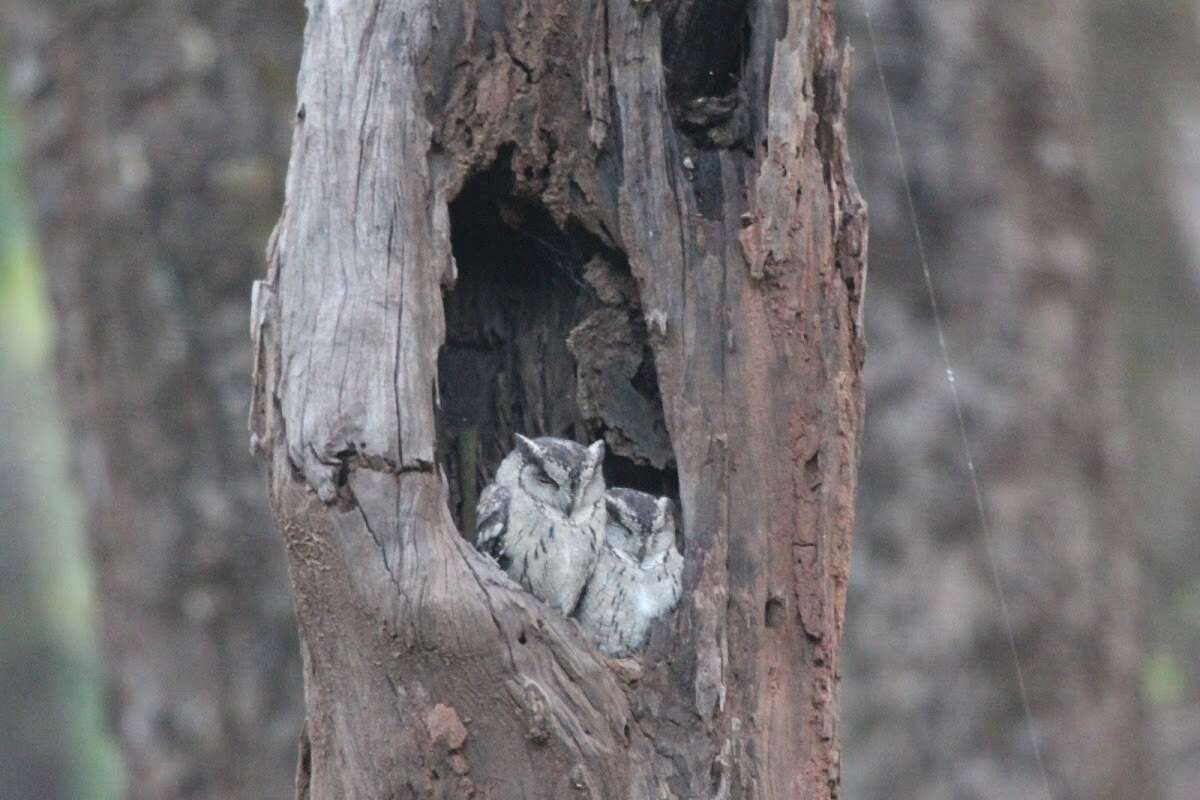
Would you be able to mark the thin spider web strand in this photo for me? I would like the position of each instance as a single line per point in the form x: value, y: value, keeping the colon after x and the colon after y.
x: 965, y: 440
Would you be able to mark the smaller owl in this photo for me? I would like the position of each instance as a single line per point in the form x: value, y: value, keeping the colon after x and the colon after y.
x: 542, y: 518
x: 638, y: 575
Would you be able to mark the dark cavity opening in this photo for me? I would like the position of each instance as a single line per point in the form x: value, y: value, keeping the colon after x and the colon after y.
x: 705, y: 44
x: 773, y: 614
x: 545, y: 336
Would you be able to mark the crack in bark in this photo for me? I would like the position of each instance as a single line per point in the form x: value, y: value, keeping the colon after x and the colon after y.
x: 378, y: 543
x: 400, y: 329
x: 487, y: 597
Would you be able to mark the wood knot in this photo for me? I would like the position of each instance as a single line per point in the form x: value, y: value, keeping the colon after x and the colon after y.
x: 537, y: 718
x: 579, y: 782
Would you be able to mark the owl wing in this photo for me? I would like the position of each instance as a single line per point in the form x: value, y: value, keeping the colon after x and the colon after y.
x: 673, y: 573
x: 491, y: 520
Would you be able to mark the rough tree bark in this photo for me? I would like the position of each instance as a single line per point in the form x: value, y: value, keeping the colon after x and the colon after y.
x: 157, y: 132
x: 623, y: 219
x: 990, y: 107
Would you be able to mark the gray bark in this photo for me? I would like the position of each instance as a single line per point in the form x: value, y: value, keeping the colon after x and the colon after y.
x: 989, y: 100
x: 598, y: 224
x: 156, y: 133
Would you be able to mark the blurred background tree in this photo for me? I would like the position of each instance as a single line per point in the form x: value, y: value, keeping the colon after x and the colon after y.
x: 156, y: 137
x: 1023, y: 171
x: 57, y: 744
x: 1146, y: 123
x: 991, y: 111
x: 1054, y: 150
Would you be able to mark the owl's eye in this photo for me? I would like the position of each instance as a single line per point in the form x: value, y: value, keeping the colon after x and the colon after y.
x: 544, y: 480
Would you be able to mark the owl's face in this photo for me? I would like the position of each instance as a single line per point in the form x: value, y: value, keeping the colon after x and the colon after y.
x: 561, y: 474
x: 639, y: 524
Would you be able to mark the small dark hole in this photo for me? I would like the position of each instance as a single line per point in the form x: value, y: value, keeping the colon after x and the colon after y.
x: 705, y: 47
x: 521, y: 638
x: 774, y: 613
x: 812, y: 470
x: 305, y: 754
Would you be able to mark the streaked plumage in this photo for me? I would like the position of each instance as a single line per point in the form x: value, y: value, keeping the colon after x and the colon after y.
x: 638, y: 575
x: 542, y: 518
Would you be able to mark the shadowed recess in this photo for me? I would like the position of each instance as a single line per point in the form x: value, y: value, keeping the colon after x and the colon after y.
x: 545, y: 337
x: 705, y: 44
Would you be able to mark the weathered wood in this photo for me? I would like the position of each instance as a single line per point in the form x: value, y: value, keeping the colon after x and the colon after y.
x: 429, y: 674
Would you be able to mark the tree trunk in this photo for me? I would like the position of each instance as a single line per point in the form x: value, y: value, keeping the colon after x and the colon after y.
x: 628, y: 220
x: 156, y: 134
x: 990, y: 108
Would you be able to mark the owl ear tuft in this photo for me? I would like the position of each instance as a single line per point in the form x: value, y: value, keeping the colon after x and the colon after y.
x: 663, y: 538
x: 531, y: 449
x: 596, y: 452
x: 611, y: 505
x: 666, y: 515
x: 666, y: 509
x: 615, y: 505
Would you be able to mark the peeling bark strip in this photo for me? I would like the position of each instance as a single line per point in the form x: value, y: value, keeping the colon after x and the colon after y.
x: 428, y: 674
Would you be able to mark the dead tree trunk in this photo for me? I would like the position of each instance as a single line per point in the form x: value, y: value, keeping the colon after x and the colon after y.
x: 574, y: 218
x: 157, y: 132
x: 990, y: 107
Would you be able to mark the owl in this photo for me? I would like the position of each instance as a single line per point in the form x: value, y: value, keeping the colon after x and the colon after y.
x: 638, y: 574
x: 542, y: 518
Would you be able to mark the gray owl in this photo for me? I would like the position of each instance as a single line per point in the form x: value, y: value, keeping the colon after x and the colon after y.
x: 638, y: 575
x: 542, y: 518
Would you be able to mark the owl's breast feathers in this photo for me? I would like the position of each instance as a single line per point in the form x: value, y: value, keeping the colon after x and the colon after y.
x: 625, y: 596
x: 550, y: 556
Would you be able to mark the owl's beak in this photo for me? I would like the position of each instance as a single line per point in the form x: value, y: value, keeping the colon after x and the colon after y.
x: 577, y: 495
x: 579, y: 489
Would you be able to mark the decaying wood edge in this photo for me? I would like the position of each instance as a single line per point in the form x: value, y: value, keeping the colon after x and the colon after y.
x: 428, y: 674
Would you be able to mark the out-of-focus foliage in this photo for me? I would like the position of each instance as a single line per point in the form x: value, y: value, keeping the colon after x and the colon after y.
x: 55, y: 744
